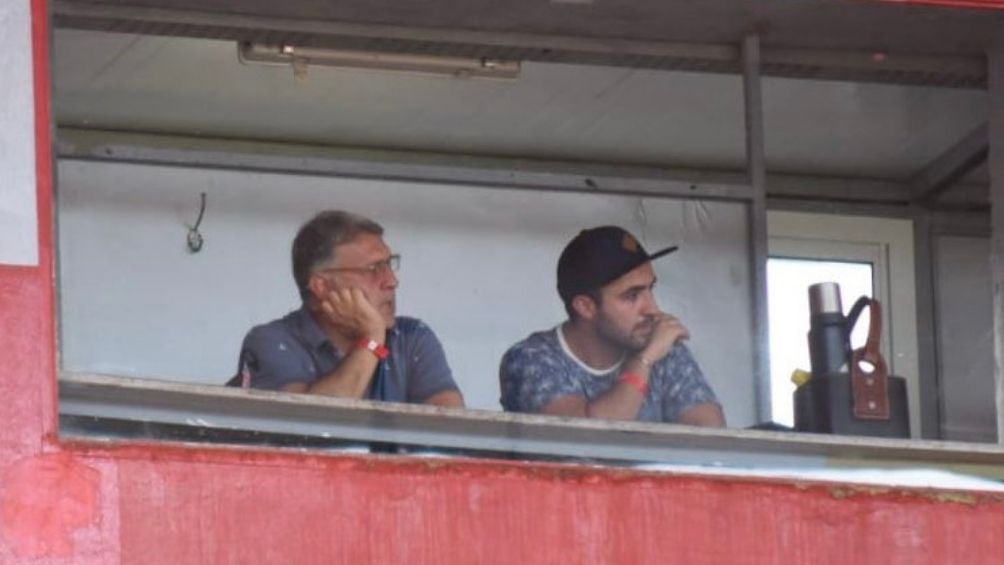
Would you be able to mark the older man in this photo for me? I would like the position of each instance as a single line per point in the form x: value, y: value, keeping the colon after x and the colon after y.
x: 345, y: 339
x: 618, y: 356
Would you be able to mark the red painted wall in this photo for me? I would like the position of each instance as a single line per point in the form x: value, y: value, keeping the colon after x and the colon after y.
x: 88, y: 503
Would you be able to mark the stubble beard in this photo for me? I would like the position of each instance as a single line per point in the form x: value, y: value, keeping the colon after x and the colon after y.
x: 633, y: 340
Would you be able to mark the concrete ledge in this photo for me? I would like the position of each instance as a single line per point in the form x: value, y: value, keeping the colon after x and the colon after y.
x: 202, y: 407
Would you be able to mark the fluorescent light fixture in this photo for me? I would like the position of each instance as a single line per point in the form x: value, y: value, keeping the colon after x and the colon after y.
x: 302, y: 57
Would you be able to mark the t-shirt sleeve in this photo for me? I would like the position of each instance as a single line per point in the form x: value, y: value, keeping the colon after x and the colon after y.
x: 274, y: 359
x: 686, y: 384
x: 428, y: 372
x: 530, y: 380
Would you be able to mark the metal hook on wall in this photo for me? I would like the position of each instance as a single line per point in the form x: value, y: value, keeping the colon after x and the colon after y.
x: 194, y: 237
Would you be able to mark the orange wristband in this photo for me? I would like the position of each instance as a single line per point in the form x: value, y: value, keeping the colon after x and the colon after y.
x: 372, y: 345
x: 635, y: 382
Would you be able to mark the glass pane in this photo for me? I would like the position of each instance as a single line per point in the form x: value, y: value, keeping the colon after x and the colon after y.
x: 788, y: 281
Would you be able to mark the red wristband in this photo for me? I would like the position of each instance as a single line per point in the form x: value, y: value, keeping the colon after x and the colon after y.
x: 374, y: 346
x: 635, y: 382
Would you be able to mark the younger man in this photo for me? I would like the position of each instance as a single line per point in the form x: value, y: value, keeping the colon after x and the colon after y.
x: 618, y: 356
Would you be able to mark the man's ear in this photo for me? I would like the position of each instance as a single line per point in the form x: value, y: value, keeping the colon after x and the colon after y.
x: 584, y: 306
x: 318, y: 286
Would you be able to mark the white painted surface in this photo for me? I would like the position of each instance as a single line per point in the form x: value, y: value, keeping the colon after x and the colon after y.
x: 964, y: 299
x: 18, y: 216
x: 907, y: 478
x: 816, y: 234
x: 478, y: 266
x: 554, y: 111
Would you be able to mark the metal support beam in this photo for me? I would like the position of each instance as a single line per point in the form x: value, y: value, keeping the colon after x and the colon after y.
x: 797, y: 190
x: 995, y: 60
x: 757, y: 171
x: 239, y: 25
x: 415, y: 166
x: 948, y: 168
x: 927, y: 343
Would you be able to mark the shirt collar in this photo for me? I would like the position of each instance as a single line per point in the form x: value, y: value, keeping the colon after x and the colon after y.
x: 303, y: 322
x: 560, y: 332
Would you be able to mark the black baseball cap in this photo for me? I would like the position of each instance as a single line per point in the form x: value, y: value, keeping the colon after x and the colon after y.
x: 598, y: 256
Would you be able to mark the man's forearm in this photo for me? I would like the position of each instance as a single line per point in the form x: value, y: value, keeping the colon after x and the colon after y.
x: 351, y: 378
x: 707, y: 415
x: 621, y: 402
x: 446, y: 399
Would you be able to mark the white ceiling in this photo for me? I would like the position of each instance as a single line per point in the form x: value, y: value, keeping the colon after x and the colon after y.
x: 554, y: 111
x: 916, y: 27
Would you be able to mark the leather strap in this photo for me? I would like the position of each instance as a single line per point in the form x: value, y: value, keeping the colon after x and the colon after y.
x: 870, y: 387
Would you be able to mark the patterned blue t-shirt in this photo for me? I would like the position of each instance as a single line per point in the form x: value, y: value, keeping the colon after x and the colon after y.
x: 541, y: 368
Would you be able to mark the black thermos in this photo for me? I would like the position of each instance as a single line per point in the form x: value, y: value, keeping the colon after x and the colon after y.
x: 829, y: 344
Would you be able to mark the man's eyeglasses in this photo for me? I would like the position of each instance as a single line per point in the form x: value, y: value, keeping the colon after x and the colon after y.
x: 392, y: 263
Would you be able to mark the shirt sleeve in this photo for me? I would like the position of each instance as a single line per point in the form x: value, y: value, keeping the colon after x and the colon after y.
x: 685, y: 384
x: 428, y: 372
x: 274, y: 359
x: 530, y: 379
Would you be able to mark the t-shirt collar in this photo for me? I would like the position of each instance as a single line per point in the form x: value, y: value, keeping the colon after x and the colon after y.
x: 560, y: 332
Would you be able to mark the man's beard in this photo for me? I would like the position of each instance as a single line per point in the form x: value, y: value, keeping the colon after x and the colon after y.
x: 632, y: 340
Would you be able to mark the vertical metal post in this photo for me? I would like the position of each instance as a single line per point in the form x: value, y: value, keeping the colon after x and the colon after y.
x: 753, y: 103
x: 927, y: 352
x: 995, y: 61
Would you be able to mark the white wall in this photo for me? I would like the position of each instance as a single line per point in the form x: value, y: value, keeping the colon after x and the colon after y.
x: 965, y: 329
x: 18, y: 213
x: 478, y: 265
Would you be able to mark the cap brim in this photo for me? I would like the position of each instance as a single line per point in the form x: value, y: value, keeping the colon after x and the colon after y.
x: 641, y: 261
x: 662, y: 252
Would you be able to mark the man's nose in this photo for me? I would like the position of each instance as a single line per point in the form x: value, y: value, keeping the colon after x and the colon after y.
x: 649, y: 306
x: 389, y: 279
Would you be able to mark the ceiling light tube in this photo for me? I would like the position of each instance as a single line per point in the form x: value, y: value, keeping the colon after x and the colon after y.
x: 458, y: 67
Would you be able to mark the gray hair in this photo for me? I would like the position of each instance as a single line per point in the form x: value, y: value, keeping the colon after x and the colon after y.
x: 317, y: 239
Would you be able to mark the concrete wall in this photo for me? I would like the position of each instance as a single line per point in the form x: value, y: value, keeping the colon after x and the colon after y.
x: 965, y: 338
x: 18, y: 216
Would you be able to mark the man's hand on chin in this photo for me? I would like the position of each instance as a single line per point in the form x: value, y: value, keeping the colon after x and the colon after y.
x: 350, y: 311
x: 668, y: 330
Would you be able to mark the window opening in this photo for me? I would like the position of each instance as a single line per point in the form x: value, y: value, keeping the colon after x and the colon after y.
x: 788, y: 280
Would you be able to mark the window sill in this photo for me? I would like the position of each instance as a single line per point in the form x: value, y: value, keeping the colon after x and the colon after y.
x: 94, y: 406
